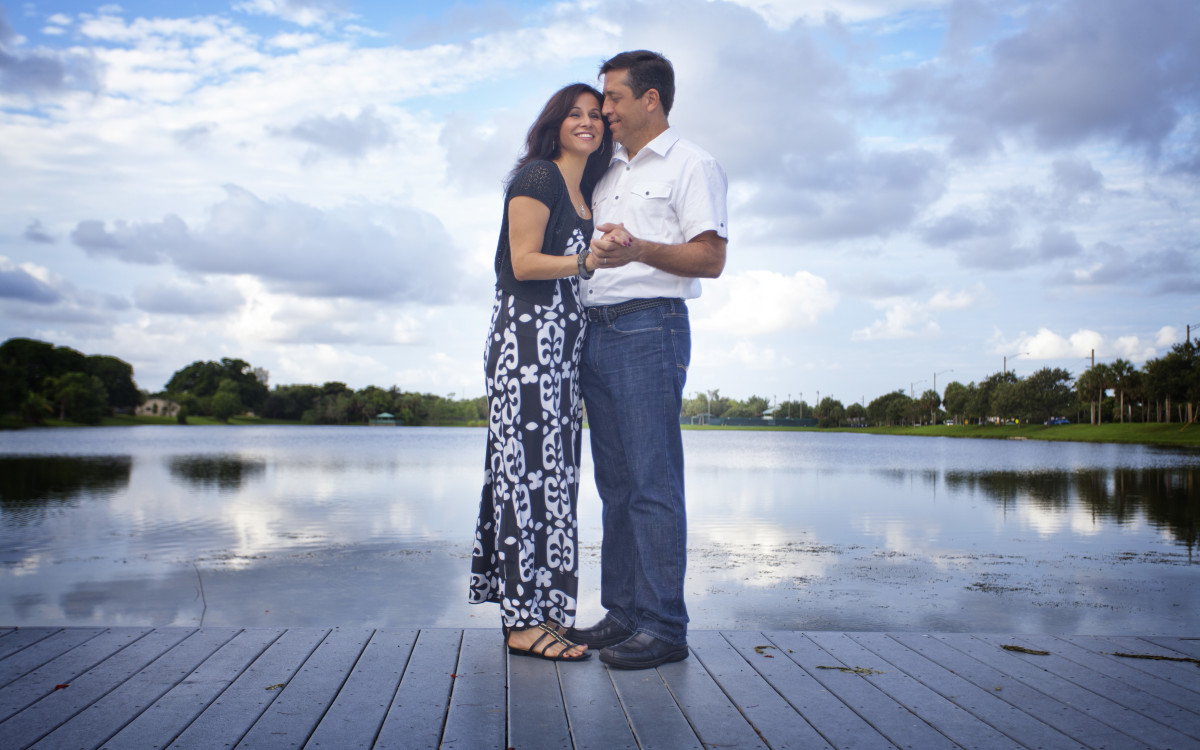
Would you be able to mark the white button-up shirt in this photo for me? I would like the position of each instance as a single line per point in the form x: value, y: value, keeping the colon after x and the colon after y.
x: 670, y: 192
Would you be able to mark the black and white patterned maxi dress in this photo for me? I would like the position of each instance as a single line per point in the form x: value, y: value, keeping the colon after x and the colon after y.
x: 526, y: 539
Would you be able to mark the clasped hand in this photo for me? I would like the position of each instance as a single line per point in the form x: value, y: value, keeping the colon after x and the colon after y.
x: 615, y: 247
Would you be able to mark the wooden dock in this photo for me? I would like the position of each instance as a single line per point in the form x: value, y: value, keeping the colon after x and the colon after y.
x: 137, y: 688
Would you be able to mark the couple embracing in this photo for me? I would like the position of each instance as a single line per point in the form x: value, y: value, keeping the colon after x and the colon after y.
x: 610, y: 220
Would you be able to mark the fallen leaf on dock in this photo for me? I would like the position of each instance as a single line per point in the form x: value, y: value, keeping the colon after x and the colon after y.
x: 1023, y: 650
x: 864, y: 671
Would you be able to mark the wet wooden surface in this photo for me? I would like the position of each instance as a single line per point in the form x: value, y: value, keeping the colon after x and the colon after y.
x: 363, y: 688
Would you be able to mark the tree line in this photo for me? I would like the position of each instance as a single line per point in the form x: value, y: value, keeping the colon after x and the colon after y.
x: 1165, y: 389
x: 231, y: 387
x: 39, y: 380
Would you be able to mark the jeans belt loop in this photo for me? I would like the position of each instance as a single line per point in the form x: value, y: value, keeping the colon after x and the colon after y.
x: 609, y: 313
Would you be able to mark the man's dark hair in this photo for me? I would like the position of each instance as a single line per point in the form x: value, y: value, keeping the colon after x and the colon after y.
x: 647, y: 70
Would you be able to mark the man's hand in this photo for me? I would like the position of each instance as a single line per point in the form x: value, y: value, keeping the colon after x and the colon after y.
x: 701, y: 257
x: 615, y: 248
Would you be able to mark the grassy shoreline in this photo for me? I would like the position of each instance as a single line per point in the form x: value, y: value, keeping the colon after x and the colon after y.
x: 1131, y: 433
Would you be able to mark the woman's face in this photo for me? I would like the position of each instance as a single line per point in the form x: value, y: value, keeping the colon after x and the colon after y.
x: 582, y: 130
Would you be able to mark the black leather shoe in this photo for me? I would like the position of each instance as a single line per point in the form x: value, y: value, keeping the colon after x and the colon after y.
x: 642, y: 651
x: 607, y: 632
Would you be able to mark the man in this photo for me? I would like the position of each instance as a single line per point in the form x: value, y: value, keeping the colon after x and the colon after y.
x: 661, y: 226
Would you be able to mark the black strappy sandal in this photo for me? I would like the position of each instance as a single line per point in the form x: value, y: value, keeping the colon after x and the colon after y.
x: 549, y: 636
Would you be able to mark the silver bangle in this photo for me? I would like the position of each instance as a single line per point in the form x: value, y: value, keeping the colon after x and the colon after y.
x: 581, y: 263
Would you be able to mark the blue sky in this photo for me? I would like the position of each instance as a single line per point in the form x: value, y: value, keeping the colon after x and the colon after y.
x: 918, y: 189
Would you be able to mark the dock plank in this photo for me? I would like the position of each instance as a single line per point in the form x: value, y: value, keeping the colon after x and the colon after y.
x: 715, y: 719
x: 110, y: 713
x: 444, y: 688
x: 1122, y: 727
x: 861, y: 693
x: 1187, y: 678
x: 40, y: 652
x: 291, y: 718
x: 985, y: 705
x: 417, y: 715
x: 227, y: 719
x: 358, y: 711
x: 1043, y: 706
x: 18, y: 639
x: 765, y: 710
x: 170, y: 715
x: 950, y: 720
x: 83, y: 691
x: 1107, y: 686
x: 62, y: 669
x: 832, y: 719
x: 538, y: 719
x: 478, y: 702
x: 594, y: 709
x: 655, y: 718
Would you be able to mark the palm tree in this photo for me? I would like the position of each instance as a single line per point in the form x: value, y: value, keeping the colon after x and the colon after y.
x: 1092, y: 384
x: 1121, y: 375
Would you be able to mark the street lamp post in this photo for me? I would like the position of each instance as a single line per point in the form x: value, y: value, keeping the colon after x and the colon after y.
x: 1017, y: 354
x: 933, y: 410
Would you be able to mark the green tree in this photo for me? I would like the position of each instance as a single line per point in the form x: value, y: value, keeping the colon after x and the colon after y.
x: 1121, y: 374
x: 751, y: 408
x: 117, y: 377
x: 1045, y: 394
x: 889, y: 409
x: 856, y: 414
x: 79, y: 397
x: 202, y: 379
x: 830, y: 412
x: 35, y: 408
x: 958, y: 397
x: 227, y: 401
x: 929, y: 404
x: 1092, y: 385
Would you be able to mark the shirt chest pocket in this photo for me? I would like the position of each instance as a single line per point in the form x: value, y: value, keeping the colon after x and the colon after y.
x: 651, y: 200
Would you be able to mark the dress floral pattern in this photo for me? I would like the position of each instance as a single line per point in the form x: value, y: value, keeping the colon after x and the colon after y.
x: 526, y: 539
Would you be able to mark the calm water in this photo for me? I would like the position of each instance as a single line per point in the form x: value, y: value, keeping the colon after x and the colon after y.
x: 373, y: 526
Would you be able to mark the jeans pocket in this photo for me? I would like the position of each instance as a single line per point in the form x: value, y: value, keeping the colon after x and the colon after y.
x: 681, y: 340
x: 640, y: 321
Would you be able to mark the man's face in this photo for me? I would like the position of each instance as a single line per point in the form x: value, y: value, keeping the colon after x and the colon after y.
x: 626, y: 114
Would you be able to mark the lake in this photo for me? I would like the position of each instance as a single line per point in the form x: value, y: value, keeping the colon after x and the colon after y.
x: 360, y: 526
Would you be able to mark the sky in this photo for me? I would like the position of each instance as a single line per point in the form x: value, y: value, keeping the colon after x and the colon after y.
x: 920, y: 191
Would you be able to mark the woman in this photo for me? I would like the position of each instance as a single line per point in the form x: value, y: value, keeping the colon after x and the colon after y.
x: 526, y: 540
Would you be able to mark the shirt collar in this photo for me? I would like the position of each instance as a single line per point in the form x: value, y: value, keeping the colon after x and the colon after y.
x: 661, y: 144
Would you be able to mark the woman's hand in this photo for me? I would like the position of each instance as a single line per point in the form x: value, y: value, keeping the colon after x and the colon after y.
x: 615, y: 247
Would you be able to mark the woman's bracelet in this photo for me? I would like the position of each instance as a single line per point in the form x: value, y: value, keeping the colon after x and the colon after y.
x: 581, y: 262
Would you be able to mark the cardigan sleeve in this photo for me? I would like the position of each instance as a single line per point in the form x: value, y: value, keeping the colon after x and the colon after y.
x: 536, y: 180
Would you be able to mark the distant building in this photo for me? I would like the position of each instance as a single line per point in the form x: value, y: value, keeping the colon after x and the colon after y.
x: 157, y: 407
x: 384, y: 419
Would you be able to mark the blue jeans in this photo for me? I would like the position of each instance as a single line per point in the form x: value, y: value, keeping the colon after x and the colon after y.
x: 632, y: 374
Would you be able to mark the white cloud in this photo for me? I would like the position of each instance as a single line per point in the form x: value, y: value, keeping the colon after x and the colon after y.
x: 1081, y: 345
x: 907, y: 318
x: 300, y: 12
x: 353, y: 251
x: 754, y: 303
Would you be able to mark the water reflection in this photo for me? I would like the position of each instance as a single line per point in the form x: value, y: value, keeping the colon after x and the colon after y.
x: 1168, y: 498
x: 225, y: 473
x: 31, y: 482
x: 327, y: 526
